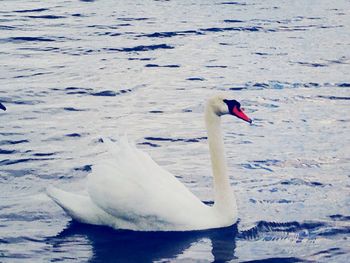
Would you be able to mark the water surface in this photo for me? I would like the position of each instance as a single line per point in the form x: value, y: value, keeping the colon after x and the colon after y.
x: 72, y: 72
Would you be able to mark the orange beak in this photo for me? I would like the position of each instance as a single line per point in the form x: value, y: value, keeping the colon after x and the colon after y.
x: 240, y: 114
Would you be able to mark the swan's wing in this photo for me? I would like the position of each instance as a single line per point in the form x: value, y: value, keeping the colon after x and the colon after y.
x: 131, y: 186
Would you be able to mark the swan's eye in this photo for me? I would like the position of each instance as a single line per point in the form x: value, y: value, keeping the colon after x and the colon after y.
x: 232, y: 104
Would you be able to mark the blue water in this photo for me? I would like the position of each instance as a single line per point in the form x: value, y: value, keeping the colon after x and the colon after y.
x: 74, y: 71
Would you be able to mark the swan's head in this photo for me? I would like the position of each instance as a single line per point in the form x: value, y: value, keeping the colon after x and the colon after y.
x: 221, y: 105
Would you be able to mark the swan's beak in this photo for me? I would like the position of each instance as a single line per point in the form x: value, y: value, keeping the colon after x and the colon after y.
x: 2, y: 107
x: 240, y: 114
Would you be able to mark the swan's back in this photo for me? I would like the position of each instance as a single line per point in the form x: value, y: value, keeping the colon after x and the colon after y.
x: 131, y: 187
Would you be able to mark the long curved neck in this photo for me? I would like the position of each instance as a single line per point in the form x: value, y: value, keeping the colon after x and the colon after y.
x: 224, y: 197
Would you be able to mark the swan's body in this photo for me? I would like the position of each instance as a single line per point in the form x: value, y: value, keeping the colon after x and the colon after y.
x: 132, y: 192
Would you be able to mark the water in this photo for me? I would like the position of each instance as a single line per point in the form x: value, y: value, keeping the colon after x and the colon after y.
x: 74, y: 71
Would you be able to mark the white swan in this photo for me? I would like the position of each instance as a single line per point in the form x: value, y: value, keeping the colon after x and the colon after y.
x: 133, y: 192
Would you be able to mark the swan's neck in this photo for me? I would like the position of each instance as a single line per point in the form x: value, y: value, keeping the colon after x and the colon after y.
x: 225, y: 200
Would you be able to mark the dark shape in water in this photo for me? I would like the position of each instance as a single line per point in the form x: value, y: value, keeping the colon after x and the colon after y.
x: 34, y: 39
x: 31, y: 10
x: 275, y: 260
x: 315, y: 65
x: 145, y: 48
x: 195, y: 78
x: 261, y: 53
x: 141, y: 59
x: 151, y: 66
x: 343, y: 85
x: 72, y: 109
x: 339, y: 217
x: 171, y: 34
x: 85, y: 168
x: 24, y: 160
x: 47, y: 17
x: 73, y: 135
x: 2, y: 106
x: 105, y: 93
x: 157, y: 66
x: 149, y: 143
x: 233, y: 21
x: 232, y: 3
x: 2, y: 151
x: 132, y: 18
x: 237, y: 88
x: 334, y: 97
x: 222, y: 29
x: 175, y: 139
x: 43, y: 154
x: 7, y: 27
x: 9, y: 142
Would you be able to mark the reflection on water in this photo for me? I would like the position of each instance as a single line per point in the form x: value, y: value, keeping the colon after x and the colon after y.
x: 109, y: 245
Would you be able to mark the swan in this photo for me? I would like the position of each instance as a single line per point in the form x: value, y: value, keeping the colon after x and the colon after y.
x: 131, y: 192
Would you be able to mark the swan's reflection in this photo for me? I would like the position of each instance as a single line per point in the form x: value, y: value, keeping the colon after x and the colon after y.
x: 109, y: 245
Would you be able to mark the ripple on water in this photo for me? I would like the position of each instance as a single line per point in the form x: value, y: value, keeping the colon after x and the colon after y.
x: 343, y: 85
x: 333, y: 97
x: 9, y: 174
x: 90, y: 91
x: 140, y: 48
x: 339, y: 217
x: 232, y: 3
x: 46, y: 17
x: 283, y: 230
x: 262, y: 164
x: 31, y: 10
x: 105, y: 93
x: 27, y: 39
x: 73, y: 135
x: 298, y: 181
x: 240, y: 29
x: 160, y: 139
x: 11, y: 142
x: 161, y: 66
x: 23, y: 160
x: 3, y: 151
x: 73, y: 109
x: 133, y: 18
x: 171, y: 34
x: 2, y: 27
x: 195, y: 79
x: 278, y: 85
x: 43, y: 154
x: 85, y: 168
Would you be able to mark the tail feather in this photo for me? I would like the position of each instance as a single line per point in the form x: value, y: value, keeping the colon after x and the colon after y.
x: 79, y: 207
